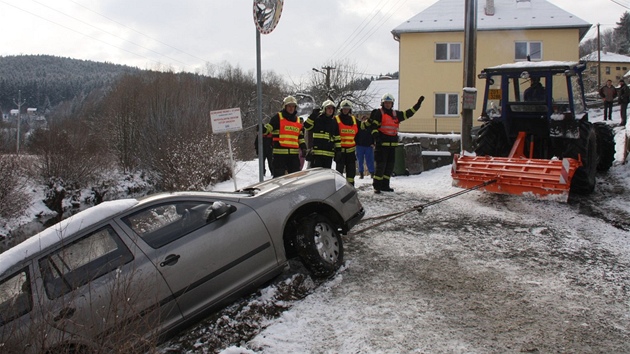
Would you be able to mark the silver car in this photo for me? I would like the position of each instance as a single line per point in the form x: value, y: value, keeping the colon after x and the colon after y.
x: 128, y: 273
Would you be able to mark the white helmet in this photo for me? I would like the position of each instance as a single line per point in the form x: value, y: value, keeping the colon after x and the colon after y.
x: 388, y: 97
x: 328, y: 103
x: 345, y: 104
x: 289, y: 100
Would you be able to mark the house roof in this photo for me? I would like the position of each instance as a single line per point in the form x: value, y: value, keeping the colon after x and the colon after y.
x: 377, y: 89
x: 448, y: 16
x: 607, y: 57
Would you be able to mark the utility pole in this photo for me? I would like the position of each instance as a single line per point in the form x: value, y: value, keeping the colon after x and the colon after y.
x: 470, y: 53
x: 327, y: 74
x: 19, y: 104
x: 599, y: 60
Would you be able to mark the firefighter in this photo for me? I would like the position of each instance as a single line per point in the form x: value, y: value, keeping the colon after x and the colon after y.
x: 267, y: 151
x: 321, y: 124
x: 288, y: 138
x: 384, y: 123
x: 345, y: 146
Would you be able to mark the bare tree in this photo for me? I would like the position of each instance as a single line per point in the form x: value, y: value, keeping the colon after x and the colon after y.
x: 338, y: 81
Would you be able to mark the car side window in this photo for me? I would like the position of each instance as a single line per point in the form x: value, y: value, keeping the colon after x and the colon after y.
x: 82, y: 261
x: 161, y: 224
x: 16, y: 298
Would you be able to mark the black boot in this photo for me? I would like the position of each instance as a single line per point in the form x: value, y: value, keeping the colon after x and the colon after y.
x: 385, y: 186
x: 377, y: 185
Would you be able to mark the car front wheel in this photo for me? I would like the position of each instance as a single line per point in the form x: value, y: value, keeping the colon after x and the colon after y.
x: 319, y: 245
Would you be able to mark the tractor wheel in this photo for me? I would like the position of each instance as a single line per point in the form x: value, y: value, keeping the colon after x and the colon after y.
x: 492, y: 140
x: 585, y: 147
x: 605, y: 146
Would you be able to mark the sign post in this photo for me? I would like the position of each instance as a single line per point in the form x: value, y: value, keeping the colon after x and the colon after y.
x: 266, y: 17
x: 226, y: 121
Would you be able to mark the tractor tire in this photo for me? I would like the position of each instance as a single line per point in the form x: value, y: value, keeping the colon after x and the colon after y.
x: 492, y: 140
x: 584, y: 148
x: 605, y: 146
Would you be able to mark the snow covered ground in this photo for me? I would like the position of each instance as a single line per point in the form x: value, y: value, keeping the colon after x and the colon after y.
x: 480, y: 273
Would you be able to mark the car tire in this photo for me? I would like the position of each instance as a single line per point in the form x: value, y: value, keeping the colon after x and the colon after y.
x: 319, y: 245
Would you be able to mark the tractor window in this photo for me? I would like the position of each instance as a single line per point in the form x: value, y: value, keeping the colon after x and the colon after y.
x: 578, y: 102
x: 560, y: 94
x: 493, y: 105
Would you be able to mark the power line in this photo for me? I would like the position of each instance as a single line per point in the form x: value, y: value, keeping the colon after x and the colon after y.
x: 81, y: 33
x: 132, y: 29
x: 111, y: 34
x: 620, y: 4
x: 366, y: 36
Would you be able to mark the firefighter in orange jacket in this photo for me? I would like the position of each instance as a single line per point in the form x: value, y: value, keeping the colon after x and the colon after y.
x: 345, y: 146
x: 288, y: 138
x: 384, y: 123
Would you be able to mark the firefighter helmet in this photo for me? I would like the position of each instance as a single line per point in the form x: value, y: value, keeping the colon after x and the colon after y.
x: 388, y: 97
x: 289, y: 100
x: 328, y: 103
x: 345, y: 104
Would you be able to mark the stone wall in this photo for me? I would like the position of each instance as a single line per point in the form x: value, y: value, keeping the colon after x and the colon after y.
x: 423, y: 152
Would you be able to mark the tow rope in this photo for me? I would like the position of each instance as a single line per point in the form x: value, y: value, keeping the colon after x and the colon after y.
x: 419, y: 207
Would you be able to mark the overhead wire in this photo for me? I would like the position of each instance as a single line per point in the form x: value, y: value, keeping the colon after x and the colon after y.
x: 81, y: 33
x: 134, y: 30
x: 620, y: 4
x: 109, y: 33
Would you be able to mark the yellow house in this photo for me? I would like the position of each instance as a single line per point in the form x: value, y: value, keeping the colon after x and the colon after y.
x: 431, y: 51
x: 613, y: 66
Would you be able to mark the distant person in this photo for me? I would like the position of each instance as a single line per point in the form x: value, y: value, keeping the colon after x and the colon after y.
x: 321, y: 125
x: 624, y: 99
x: 535, y: 92
x: 385, y: 123
x: 608, y: 94
x: 365, y: 148
x: 267, y: 146
x: 288, y: 138
x: 345, y: 146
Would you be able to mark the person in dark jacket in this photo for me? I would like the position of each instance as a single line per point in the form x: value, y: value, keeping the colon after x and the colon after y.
x: 365, y: 148
x: 608, y: 94
x: 345, y: 146
x: 267, y: 145
x: 535, y: 92
x: 321, y: 124
x: 624, y: 99
x: 385, y: 123
x: 288, y: 138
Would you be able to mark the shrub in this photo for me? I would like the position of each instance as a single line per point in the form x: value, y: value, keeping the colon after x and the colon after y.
x: 13, y: 199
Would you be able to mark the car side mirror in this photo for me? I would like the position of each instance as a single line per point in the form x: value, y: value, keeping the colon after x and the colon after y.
x: 219, y: 210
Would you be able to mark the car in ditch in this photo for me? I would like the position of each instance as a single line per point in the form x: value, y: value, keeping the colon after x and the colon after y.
x: 132, y: 272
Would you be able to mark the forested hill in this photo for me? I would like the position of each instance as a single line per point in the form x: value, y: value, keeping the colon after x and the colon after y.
x: 47, y: 80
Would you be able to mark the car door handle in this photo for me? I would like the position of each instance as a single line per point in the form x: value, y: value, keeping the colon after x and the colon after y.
x: 171, y: 259
x: 64, y: 313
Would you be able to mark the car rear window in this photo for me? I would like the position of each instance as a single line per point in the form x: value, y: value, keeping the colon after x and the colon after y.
x: 83, y: 260
x: 16, y: 298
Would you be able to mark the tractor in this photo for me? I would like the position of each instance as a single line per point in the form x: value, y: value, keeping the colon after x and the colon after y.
x: 535, y: 137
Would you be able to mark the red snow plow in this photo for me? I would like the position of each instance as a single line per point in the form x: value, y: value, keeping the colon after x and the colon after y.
x: 536, y: 139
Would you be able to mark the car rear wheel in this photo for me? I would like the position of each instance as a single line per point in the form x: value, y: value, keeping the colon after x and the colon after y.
x: 319, y: 245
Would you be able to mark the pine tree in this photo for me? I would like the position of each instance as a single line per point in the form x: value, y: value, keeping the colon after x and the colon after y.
x: 622, y: 34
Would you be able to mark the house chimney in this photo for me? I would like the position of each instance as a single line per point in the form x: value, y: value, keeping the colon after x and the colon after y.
x: 489, y: 8
x: 523, y: 4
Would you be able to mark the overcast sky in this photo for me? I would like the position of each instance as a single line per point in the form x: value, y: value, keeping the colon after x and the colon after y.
x: 187, y: 34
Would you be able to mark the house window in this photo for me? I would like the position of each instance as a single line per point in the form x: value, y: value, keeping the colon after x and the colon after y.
x: 446, y: 104
x: 523, y: 49
x: 608, y: 70
x: 448, y: 51
x: 618, y: 68
x: 624, y: 68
